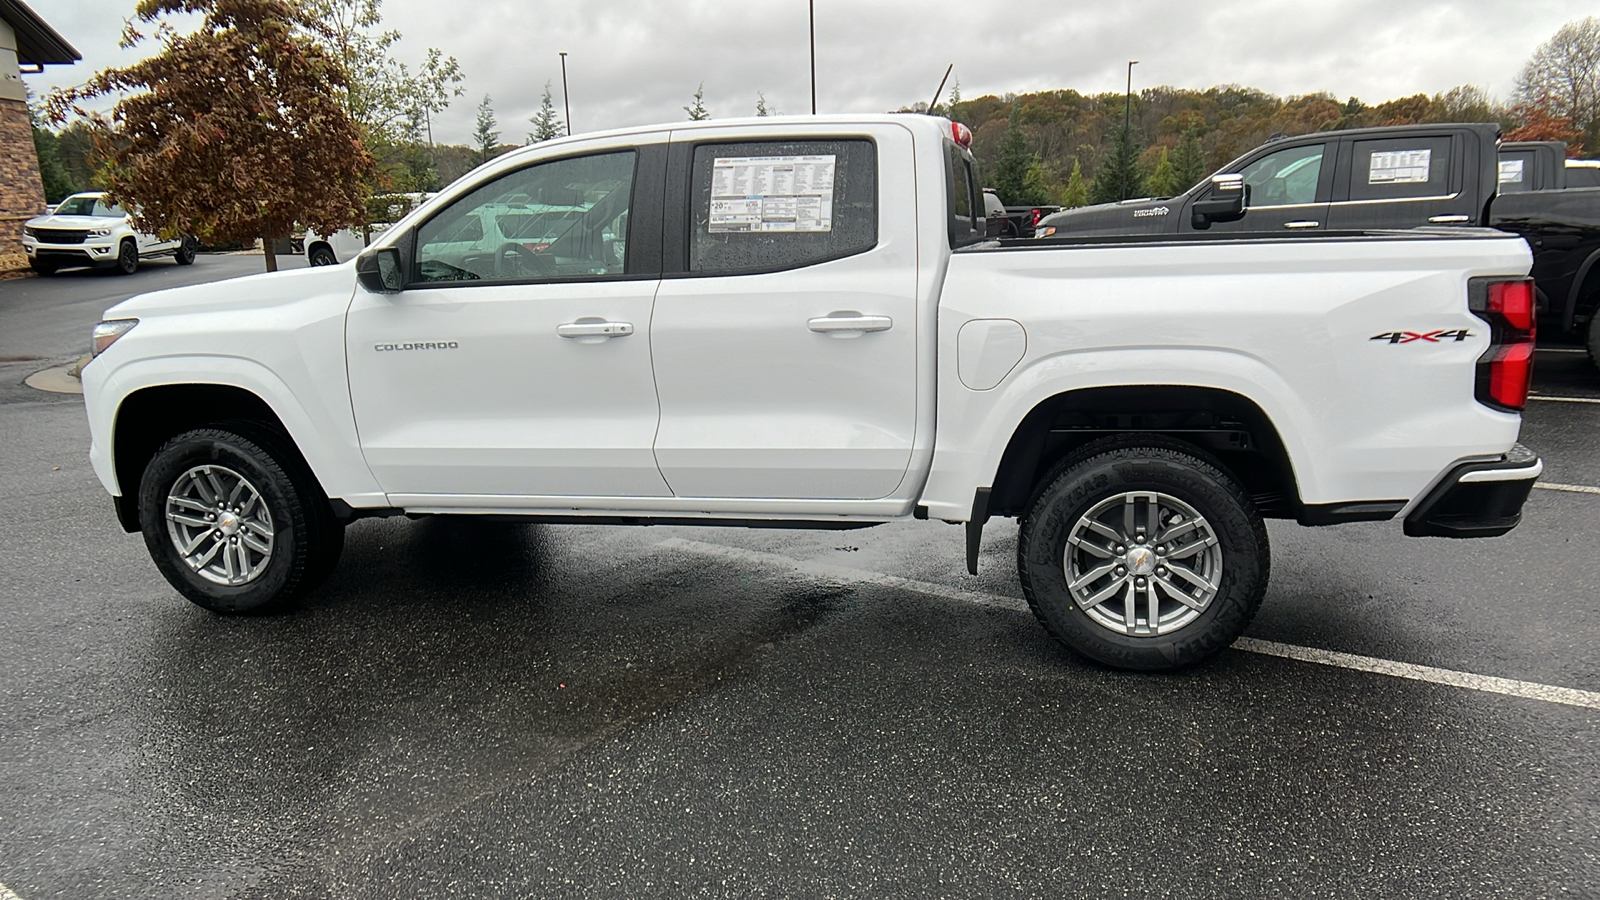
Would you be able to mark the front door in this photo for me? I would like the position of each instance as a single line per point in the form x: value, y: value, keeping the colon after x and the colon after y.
x: 1289, y: 191
x: 513, y: 367
x: 786, y: 342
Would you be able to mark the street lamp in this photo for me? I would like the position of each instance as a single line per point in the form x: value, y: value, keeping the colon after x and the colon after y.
x: 565, y: 103
x: 1127, y: 106
x: 811, y: 5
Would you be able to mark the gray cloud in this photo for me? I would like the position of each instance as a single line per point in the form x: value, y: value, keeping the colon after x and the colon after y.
x: 632, y: 62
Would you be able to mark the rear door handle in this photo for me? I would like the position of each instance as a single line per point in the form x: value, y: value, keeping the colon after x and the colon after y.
x: 849, y: 324
x: 1449, y: 220
x: 590, y: 331
x: 1303, y: 223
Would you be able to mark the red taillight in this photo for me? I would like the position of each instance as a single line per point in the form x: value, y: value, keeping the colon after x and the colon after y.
x: 1505, y: 370
x: 961, y: 134
x: 1514, y: 300
x: 1036, y: 217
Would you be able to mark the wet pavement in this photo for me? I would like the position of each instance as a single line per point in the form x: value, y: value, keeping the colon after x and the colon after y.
x: 490, y: 710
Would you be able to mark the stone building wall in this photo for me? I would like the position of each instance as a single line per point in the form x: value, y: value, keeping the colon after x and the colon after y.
x: 21, y: 187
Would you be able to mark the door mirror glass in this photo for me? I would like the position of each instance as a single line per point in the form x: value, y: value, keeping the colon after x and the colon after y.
x: 1226, y: 200
x: 380, y: 271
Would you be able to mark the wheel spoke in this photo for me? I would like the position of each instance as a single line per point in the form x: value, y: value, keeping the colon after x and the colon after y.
x: 249, y: 504
x: 1092, y: 576
x: 195, y: 544
x: 191, y: 521
x: 1193, y: 578
x: 233, y: 495
x: 1180, y: 595
x: 186, y: 503
x: 1177, y: 531
x: 210, y: 554
x: 216, y: 486
x: 1189, y: 550
x: 1130, y: 607
x: 1105, y: 531
x: 1130, y: 525
x: 1153, y: 603
x: 260, y: 527
x: 1091, y: 549
x: 1102, y: 595
x: 201, y: 489
x: 254, y: 543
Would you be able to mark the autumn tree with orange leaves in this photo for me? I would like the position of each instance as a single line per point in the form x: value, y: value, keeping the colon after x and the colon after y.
x: 231, y: 133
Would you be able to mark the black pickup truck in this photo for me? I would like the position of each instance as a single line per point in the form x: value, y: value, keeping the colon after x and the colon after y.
x: 1402, y: 176
x: 1012, y: 221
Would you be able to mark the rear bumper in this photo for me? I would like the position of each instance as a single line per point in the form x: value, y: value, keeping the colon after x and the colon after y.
x: 1477, y: 499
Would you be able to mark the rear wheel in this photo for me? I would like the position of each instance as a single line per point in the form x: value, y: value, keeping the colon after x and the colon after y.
x: 128, y: 258
x: 234, y: 520
x: 1142, y: 554
x: 323, y: 256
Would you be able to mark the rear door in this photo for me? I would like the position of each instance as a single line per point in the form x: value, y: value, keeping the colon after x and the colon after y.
x: 784, y: 339
x: 1289, y: 190
x: 1404, y: 182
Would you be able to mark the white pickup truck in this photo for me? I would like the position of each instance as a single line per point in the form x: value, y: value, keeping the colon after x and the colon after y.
x: 797, y: 323
x: 89, y: 230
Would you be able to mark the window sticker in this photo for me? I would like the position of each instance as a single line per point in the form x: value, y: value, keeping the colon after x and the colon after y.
x: 1399, y: 167
x: 772, y: 193
x: 1510, y: 171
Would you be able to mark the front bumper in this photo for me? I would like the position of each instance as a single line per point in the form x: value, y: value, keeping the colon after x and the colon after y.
x: 1477, y: 499
x: 85, y: 254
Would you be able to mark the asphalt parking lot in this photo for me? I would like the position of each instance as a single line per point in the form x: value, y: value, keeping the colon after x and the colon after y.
x: 491, y: 710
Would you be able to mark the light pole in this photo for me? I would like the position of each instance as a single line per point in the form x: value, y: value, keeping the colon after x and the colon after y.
x: 811, y: 5
x: 1127, y: 106
x: 567, y: 104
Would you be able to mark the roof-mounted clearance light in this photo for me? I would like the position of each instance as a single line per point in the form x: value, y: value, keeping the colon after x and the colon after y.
x: 961, y: 134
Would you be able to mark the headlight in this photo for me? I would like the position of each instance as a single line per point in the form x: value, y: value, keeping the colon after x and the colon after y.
x: 100, y: 232
x: 107, y: 332
x: 29, y: 232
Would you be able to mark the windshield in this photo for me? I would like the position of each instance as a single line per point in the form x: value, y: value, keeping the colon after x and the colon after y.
x: 89, y: 206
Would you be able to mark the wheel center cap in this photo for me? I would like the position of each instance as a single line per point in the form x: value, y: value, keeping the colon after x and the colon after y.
x: 1141, y: 560
x: 229, y: 524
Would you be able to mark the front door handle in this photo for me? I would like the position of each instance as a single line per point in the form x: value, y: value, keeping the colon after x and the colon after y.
x: 1303, y: 223
x: 594, y: 330
x: 848, y: 323
x: 1449, y: 220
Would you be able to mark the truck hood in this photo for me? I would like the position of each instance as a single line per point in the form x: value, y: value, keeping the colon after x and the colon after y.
x: 75, y: 222
x: 1149, y: 215
x: 263, y: 291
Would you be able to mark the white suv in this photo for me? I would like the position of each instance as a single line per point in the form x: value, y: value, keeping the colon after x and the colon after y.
x: 88, y: 230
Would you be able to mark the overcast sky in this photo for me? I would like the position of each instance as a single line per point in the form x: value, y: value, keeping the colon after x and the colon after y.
x: 633, y: 62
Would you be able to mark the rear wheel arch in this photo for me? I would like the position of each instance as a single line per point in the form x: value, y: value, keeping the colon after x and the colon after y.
x: 1221, y: 425
x: 147, y: 418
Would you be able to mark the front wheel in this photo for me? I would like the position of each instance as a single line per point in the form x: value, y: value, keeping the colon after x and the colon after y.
x: 128, y: 258
x: 235, y: 521
x: 186, y: 252
x: 43, y: 268
x: 1141, y: 554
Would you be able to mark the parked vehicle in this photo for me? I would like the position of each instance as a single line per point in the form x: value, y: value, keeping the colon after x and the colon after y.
x: 346, y: 243
x: 1012, y: 221
x: 798, y: 323
x: 1405, y: 177
x: 89, y: 230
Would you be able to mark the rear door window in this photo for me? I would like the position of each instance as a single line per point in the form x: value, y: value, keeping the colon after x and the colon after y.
x: 764, y: 206
x: 1400, y: 168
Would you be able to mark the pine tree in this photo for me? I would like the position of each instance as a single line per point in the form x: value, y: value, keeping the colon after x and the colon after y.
x: 546, y: 124
x: 1163, y: 182
x: 1118, y: 177
x: 1188, y: 162
x: 1077, y: 192
x: 485, y: 137
x: 1010, y: 179
x: 697, y: 112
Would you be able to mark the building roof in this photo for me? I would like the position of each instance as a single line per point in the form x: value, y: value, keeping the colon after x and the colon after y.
x: 37, y: 43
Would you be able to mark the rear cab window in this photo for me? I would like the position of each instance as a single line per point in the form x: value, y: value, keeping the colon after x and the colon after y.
x: 968, y: 216
x: 1516, y: 171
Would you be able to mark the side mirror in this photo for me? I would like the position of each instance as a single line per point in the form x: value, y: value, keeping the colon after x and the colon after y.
x: 380, y: 271
x: 1226, y: 200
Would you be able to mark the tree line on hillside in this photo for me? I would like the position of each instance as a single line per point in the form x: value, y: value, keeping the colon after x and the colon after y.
x: 318, y: 117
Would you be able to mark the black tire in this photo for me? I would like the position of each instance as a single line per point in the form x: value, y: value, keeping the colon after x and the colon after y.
x: 306, y: 538
x: 127, y: 258
x: 322, y: 255
x: 186, y: 252
x: 1175, y: 475
x: 1593, y: 343
x: 43, y: 268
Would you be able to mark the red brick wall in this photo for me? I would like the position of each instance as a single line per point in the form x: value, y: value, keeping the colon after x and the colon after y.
x: 21, y: 190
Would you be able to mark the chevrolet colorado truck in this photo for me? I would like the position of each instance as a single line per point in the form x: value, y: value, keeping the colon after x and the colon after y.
x: 1404, y: 176
x: 799, y: 323
x: 90, y: 230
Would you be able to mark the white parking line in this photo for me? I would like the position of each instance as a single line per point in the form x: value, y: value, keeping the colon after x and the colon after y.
x: 7, y: 894
x: 1563, y: 399
x: 1448, y: 677
x: 1571, y: 488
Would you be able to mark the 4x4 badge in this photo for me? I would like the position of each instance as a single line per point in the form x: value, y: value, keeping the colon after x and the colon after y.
x: 1432, y: 337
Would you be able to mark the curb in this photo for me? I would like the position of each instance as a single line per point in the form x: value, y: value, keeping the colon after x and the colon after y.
x: 60, y: 379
